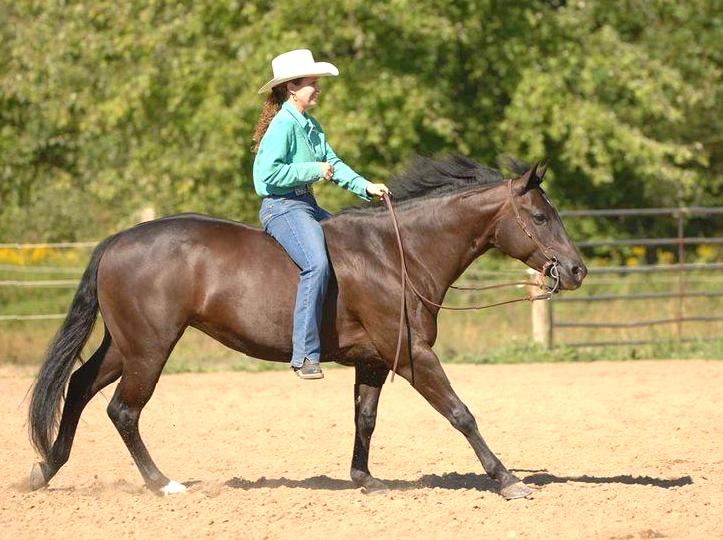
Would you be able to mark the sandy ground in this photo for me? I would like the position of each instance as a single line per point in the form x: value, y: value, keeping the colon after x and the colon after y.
x: 614, y: 450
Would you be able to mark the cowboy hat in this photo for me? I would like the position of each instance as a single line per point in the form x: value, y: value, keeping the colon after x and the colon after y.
x: 296, y: 64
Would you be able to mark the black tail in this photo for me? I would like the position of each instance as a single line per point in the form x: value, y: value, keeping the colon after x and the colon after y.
x: 64, y: 351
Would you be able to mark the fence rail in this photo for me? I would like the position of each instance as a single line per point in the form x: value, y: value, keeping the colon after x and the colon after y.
x: 678, y: 211
x: 41, y: 269
x: 638, y: 296
x: 61, y: 245
x: 39, y: 283
x: 634, y: 324
x: 651, y: 241
x: 48, y: 316
x: 616, y: 343
x: 654, y: 268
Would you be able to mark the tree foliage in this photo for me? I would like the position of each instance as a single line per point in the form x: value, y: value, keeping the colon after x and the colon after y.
x: 108, y: 107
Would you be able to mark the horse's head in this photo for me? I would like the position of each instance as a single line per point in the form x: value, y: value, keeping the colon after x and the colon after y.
x: 529, y: 229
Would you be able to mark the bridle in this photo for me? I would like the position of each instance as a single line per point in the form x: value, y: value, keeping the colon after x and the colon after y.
x: 549, y: 268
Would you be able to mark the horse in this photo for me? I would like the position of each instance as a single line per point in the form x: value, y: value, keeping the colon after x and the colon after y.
x: 236, y: 284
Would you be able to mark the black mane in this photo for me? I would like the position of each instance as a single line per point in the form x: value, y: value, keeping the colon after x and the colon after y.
x: 426, y: 177
x: 429, y: 177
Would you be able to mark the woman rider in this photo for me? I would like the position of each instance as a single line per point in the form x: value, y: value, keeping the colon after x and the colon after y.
x: 291, y: 154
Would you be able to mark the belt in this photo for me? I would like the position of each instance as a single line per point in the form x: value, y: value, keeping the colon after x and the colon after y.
x: 302, y: 190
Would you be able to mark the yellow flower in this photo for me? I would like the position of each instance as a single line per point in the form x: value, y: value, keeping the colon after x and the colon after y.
x: 638, y: 251
x: 11, y: 256
x: 664, y: 257
x: 37, y: 255
x: 706, y: 253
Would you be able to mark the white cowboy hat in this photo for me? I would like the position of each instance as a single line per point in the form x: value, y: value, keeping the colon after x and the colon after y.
x: 296, y: 64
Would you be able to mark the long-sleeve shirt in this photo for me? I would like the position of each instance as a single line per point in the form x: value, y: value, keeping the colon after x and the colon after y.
x: 290, y: 155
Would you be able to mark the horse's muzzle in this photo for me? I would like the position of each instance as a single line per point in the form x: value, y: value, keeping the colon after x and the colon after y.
x: 571, y: 274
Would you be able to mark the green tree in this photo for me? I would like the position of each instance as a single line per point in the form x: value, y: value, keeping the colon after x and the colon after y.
x: 108, y: 107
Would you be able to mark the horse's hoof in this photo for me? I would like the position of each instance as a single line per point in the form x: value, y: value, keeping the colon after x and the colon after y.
x: 172, y: 487
x: 518, y: 490
x: 37, y: 478
x: 374, y: 487
x: 368, y: 484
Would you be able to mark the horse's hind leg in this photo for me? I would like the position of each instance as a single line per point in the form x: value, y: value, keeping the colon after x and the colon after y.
x: 140, y: 375
x: 429, y: 379
x: 101, y: 369
x: 367, y: 387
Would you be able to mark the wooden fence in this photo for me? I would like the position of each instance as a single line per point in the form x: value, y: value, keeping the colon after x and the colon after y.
x: 545, y: 323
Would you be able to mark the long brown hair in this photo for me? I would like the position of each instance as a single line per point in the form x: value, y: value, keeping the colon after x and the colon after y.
x: 272, y: 105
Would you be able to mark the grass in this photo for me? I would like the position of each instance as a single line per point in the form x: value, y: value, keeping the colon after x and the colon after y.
x: 499, y: 335
x: 525, y: 352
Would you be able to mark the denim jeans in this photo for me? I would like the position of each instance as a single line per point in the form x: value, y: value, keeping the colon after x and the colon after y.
x: 293, y: 221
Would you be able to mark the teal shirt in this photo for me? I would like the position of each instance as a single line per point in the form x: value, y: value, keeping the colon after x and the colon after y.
x: 290, y: 154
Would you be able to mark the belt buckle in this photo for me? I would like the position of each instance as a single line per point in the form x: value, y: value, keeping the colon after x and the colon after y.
x: 302, y: 190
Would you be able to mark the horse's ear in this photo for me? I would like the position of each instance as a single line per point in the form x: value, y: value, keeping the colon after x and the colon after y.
x: 520, y: 183
x: 532, y: 178
x: 527, y: 181
x: 535, y: 175
x: 541, y: 170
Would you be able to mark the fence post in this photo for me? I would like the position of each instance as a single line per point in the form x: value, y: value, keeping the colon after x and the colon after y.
x: 542, y: 327
x: 681, y: 274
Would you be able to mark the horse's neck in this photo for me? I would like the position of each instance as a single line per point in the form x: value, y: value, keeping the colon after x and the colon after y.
x: 442, y: 236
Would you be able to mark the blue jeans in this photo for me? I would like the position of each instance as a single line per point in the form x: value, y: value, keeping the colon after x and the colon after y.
x: 293, y: 221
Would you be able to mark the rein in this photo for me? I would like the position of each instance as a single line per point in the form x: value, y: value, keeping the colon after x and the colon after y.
x: 550, y: 268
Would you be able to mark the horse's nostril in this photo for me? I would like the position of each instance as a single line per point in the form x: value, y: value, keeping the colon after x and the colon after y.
x: 578, y: 272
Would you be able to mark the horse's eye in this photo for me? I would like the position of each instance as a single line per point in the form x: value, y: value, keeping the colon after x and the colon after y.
x: 539, y: 218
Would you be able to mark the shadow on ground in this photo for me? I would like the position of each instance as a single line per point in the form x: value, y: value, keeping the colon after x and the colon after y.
x: 445, y: 481
x: 544, y: 478
x: 457, y: 481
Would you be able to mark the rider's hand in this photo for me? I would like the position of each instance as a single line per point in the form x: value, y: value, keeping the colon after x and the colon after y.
x: 327, y: 170
x: 377, y: 190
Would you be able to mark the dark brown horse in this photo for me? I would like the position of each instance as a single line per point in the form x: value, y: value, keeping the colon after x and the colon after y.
x: 236, y: 284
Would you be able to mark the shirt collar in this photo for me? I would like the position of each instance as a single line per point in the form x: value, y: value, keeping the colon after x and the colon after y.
x: 302, y: 119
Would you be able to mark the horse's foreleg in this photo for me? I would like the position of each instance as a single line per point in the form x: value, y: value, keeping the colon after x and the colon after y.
x: 431, y: 382
x: 101, y: 369
x: 367, y: 387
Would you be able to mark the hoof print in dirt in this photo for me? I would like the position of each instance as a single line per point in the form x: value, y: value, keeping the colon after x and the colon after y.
x: 375, y: 488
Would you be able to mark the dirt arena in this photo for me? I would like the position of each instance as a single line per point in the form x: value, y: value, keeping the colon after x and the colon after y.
x: 613, y: 450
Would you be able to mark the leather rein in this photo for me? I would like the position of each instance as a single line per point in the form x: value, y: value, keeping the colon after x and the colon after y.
x: 549, y: 268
